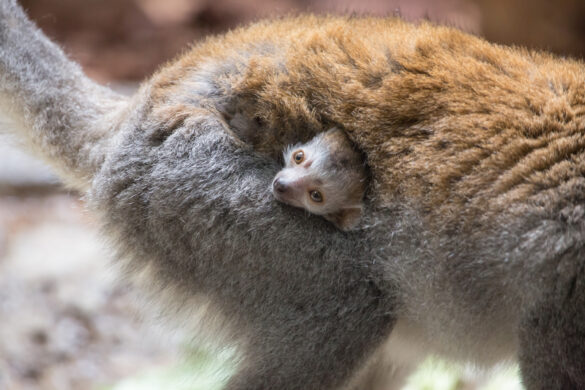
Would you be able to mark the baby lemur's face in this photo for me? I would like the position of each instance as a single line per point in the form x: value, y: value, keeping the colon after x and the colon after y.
x: 325, y: 176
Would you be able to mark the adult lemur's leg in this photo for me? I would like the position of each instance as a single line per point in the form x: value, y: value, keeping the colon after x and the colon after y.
x: 552, y: 355
x: 305, y: 299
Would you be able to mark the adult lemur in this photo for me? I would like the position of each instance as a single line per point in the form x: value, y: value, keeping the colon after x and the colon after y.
x: 471, y: 244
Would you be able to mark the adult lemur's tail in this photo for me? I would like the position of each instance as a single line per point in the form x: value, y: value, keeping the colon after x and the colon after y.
x: 64, y: 116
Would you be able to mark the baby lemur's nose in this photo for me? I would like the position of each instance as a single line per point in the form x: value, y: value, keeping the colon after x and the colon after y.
x: 279, y: 186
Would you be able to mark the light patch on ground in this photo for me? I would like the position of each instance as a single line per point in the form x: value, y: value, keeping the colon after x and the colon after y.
x: 66, y: 322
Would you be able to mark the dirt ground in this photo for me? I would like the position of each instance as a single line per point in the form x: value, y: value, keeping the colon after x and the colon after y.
x: 66, y: 322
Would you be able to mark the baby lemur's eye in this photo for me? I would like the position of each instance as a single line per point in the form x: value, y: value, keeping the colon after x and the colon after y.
x: 316, y: 196
x: 299, y: 156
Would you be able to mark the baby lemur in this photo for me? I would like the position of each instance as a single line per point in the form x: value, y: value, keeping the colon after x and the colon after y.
x: 325, y: 176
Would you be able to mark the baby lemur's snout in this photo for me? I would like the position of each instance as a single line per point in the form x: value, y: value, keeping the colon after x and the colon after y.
x: 288, y: 189
x: 279, y: 186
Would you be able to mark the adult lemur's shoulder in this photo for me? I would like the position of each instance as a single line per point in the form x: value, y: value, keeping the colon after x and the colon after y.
x: 471, y: 241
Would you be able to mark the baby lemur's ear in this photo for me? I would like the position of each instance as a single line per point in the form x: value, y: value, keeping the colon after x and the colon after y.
x: 346, y: 218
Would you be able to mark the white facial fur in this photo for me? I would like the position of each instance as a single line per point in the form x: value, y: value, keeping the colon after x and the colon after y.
x: 325, y: 176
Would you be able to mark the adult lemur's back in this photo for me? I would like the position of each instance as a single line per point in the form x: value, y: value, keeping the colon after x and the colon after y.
x: 472, y: 240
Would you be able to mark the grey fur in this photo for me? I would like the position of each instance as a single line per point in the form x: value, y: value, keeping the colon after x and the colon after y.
x: 306, y: 303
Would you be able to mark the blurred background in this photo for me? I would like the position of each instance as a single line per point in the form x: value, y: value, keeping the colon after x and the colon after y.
x: 65, y: 321
x: 121, y: 40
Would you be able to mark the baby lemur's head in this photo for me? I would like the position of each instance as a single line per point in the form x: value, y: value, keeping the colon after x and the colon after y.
x: 326, y: 176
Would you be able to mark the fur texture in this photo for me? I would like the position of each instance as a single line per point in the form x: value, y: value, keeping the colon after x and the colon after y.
x: 471, y: 243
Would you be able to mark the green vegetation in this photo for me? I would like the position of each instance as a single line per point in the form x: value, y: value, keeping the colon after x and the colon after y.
x: 436, y: 374
x: 201, y: 370
x: 206, y: 371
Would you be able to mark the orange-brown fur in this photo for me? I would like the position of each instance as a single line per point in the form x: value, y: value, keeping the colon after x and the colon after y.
x: 447, y: 120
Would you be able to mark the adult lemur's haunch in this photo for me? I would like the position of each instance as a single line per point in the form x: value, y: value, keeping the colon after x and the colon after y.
x: 471, y: 243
